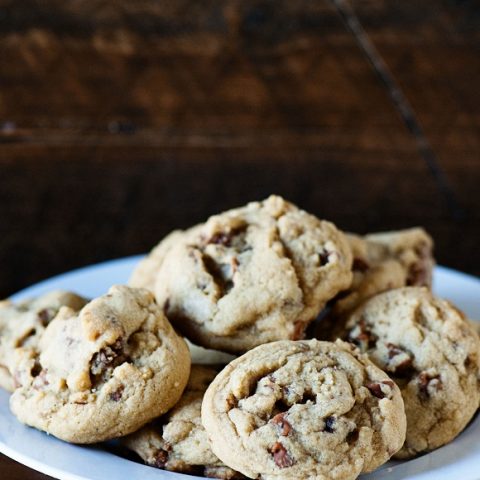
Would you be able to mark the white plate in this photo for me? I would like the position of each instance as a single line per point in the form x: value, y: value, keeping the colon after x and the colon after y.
x: 460, y: 459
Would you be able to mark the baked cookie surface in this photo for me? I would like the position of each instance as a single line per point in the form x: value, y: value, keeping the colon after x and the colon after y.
x: 432, y: 352
x: 252, y: 275
x: 303, y: 409
x: 145, y: 273
x: 385, y: 261
x: 177, y: 441
x: 22, y: 324
x: 103, y: 372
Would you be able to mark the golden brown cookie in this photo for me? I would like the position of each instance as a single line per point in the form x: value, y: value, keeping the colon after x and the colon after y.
x: 103, y: 372
x: 431, y: 351
x: 22, y: 325
x: 177, y: 441
x: 252, y: 275
x: 303, y: 409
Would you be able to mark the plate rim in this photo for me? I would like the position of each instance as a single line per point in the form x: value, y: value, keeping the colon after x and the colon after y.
x: 145, y: 472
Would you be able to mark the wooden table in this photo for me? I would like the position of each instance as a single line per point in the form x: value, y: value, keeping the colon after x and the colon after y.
x: 123, y: 120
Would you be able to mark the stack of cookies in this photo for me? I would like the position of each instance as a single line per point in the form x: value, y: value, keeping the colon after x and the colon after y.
x: 339, y: 355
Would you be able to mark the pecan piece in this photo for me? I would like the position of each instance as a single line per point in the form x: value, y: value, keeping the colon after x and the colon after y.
x: 160, y: 459
x: 282, y: 423
x: 280, y: 456
x: 427, y: 383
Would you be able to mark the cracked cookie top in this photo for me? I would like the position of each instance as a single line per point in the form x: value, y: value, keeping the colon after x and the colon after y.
x: 303, y: 409
x: 252, y: 275
x: 102, y: 372
x: 177, y: 441
x: 22, y: 324
x: 431, y: 351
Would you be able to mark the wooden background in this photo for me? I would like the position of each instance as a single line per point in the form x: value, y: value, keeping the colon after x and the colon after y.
x: 120, y: 121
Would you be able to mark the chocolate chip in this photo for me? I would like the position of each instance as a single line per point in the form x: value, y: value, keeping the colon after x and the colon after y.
x: 469, y: 363
x: 323, y: 257
x: 40, y: 380
x: 117, y: 394
x: 280, y: 456
x: 417, y: 275
x: 105, y: 360
x: 308, y: 396
x: 352, y: 436
x: 160, y: 459
x: 402, y: 366
x: 282, y: 423
x: 393, y: 350
x: 362, y: 337
x: 46, y: 315
x: 329, y: 424
x: 280, y: 407
x: 225, y: 238
x: 376, y: 388
x: 427, y: 382
x: 220, y: 238
x: 36, y: 369
x: 360, y: 265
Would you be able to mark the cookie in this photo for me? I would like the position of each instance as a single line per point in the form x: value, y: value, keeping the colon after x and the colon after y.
x: 177, y: 441
x: 303, y: 409
x: 431, y: 351
x: 103, y: 372
x: 476, y: 325
x: 145, y: 272
x: 252, y: 275
x: 22, y: 325
x: 385, y: 261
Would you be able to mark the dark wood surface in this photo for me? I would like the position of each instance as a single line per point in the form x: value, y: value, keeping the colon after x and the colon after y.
x: 120, y: 121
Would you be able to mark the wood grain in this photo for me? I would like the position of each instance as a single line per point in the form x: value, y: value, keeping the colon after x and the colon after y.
x: 433, y: 54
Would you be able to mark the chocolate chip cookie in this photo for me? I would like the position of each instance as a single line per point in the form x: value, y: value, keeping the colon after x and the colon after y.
x: 385, y: 261
x: 103, y: 372
x: 431, y: 351
x: 22, y: 324
x: 177, y: 441
x: 144, y: 274
x: 303, y: 409
x: 252, y: 275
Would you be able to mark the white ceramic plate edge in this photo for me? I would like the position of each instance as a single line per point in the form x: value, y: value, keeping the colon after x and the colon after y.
x: 460, y: 459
